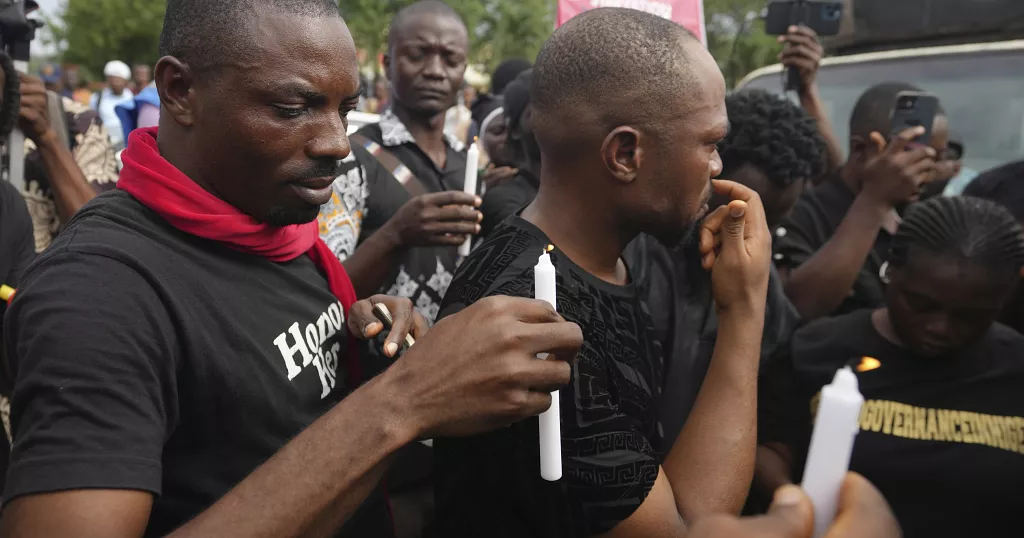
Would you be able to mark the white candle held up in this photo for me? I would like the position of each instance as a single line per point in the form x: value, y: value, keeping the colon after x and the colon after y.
x: 828, y: 458
x: 469, y: 186
x: 550, y: 421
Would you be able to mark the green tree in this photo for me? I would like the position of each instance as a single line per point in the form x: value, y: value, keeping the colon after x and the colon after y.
x: 498, y: 29
x: 736, y: 37
x: 93, y: 32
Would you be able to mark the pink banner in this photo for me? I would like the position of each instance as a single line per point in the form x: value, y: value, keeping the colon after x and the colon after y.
x: 689, y: 13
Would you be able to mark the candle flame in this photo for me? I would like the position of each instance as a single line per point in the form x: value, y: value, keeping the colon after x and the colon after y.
x: 867, y: 364
x: 549, y: 248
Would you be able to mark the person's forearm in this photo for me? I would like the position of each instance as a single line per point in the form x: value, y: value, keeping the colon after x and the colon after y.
x: 372, y: 262
x: 70, y: 187
x: 319, y: 479
x: 811, y: 102
x: 711, y: 463
x: 819, y: 285
x: 771, y: 471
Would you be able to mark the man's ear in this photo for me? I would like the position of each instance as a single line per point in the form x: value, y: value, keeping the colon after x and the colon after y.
x: 621, y: 153
x: 175, y: 82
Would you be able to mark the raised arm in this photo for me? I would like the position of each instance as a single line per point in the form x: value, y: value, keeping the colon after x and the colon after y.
x: 70, y: 187
x: 804, y: 52
x: 890, y: 175
x: 711, y: 463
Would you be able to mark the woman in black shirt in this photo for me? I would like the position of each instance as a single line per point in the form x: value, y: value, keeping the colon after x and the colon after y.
x: 941, y: 430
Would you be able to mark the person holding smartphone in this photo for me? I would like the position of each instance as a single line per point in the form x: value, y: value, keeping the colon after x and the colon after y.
x: 831, y: 248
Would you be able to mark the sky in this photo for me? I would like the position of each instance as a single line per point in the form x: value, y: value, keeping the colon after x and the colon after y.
x: 50, y: 7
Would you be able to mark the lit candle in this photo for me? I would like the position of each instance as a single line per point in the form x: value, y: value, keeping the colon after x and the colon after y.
x: 469, y: 186
x: 6, y: 293
x: 828, y: 458
x: 550, y: 422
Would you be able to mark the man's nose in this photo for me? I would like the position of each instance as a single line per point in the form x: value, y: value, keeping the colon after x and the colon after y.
x: 331, y: 142
x: 434, y: 67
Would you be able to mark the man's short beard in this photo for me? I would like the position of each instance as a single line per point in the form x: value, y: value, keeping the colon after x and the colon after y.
x: 282, y: 216
x: 11, y: 106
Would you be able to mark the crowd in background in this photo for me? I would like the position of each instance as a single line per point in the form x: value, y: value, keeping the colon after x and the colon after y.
x: 140, y: 353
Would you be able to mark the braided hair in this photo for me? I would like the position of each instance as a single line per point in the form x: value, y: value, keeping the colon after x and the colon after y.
x: 961, y: 228
x: 774, y: 135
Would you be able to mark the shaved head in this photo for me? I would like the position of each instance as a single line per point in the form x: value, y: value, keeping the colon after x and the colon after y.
x: 627, y: 109
x: 419, y: 9
x: 608, y: 67
x: 207, y: 33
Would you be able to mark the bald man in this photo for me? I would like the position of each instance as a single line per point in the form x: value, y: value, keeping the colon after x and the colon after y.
x: 627, y: 109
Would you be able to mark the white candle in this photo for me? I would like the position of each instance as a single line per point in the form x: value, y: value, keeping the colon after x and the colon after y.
x: 469, y: 186
x: 550, y: 422
x: 828, y: 458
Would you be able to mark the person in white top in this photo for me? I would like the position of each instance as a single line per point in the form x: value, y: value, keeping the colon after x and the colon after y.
x: 118, y: 75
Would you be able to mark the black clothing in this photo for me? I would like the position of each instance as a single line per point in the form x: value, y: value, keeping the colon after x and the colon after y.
x: 17, y: 249
x: 942, y: 438
x: 425, y: 272
x: 812, y: 223
x: 506, y: 199
x: 17, y: 242
x: 490, y: 485
x: 1002, y: 185
x: 677, y: 290
x: 147, y: 358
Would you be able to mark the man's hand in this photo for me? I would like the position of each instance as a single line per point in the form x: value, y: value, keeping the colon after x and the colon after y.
x: 803, y: 52
x: 477, y: 370
x: 406, y: 320
x: 893, y: 174
x: 736, y: 247
x: 34, y: 118
x: 494, y: 174
x: 437, y: 219
x: 863, y: 513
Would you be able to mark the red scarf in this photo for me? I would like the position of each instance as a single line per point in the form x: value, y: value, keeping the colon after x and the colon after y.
x: 158, y: 185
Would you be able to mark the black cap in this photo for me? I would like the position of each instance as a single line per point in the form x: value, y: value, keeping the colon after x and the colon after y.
x: 506, y: 72
x: 517, y: 97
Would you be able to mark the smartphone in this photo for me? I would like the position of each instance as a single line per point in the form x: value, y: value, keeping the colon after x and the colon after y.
x: 383, y: 315
x: 914, y: 109
x: 822, y: 16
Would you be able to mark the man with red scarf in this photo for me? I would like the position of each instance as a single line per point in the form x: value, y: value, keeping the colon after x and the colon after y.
x: 181, y: 354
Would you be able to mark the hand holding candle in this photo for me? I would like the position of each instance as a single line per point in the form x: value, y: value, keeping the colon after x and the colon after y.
x: 550, y: 421
x: 469, y: 186
x: 828, y: 458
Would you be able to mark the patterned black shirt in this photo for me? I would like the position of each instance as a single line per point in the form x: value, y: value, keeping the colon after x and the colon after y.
x: 490, y: 485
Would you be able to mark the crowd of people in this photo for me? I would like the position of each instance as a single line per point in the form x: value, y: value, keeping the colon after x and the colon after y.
x: 193, y: 345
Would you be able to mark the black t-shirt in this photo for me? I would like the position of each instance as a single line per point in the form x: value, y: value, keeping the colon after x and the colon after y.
x: 506, y: 199
x: 17, y: 242
x: 813, y: 221
x: 424, y: 272
x: 677, y: 290
x: 17, y: 250
x: 943, y: 439
x: 490, y: 485
x: 146, y: 358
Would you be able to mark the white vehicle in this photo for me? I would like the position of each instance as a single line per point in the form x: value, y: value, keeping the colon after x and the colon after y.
x: 980, y: 86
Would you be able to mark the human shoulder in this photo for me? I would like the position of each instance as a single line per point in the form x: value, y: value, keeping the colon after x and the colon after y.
x: 116, y: 225
x: 372, y: 132
x: 501, y: 265
x: 1004, y: 347
x: 826, y: 344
